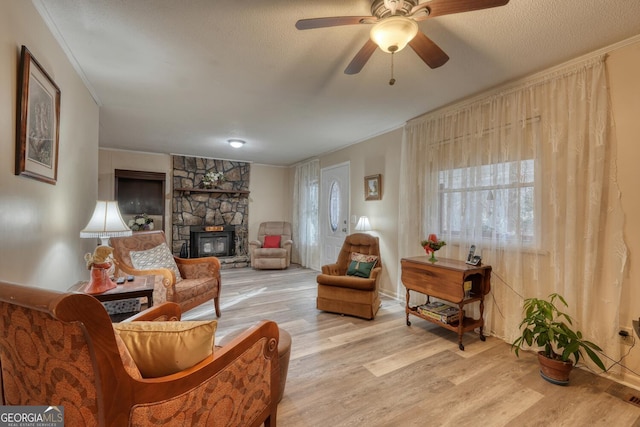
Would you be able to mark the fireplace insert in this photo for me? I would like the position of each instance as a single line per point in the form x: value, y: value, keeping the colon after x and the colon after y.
x: 216, y: 241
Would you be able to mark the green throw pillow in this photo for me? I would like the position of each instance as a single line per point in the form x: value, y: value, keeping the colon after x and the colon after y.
x: 360, y: 269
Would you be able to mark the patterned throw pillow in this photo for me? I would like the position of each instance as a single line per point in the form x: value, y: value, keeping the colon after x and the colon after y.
x: 361, y: 265
x: 158, y: 257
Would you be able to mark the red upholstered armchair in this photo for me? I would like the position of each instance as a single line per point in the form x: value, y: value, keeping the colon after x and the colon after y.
x: 345, y: 291
x: 61, y: 349
x: 191, y: 281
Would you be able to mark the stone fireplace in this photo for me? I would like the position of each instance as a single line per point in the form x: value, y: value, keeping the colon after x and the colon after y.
x: 211, y: 222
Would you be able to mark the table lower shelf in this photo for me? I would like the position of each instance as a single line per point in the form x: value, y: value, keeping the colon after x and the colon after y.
x: 468, y: 324
x: 119, y: 317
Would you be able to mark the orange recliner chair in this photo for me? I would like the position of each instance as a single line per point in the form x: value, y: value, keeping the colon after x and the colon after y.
x: 350, y: 286
x: 61, y: 349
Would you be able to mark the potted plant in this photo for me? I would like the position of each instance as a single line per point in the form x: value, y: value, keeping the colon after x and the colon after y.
x: 550, y: 329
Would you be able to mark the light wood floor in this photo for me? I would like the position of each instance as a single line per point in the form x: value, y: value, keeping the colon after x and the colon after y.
x: 346, y: 371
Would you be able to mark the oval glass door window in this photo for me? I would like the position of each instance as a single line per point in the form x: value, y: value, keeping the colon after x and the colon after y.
x: 334, y: 206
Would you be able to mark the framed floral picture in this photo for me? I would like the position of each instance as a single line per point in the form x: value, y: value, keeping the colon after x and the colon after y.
x: 373, y: 187
x: 38, y: 121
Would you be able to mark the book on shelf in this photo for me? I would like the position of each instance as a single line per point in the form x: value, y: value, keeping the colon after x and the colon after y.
x: 439, y: 311
x: 467, y: 289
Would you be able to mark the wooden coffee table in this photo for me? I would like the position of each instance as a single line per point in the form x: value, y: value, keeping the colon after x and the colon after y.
x: 141, y: 286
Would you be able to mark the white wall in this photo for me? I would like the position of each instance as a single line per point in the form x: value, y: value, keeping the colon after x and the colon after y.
x: 623, y: 67
x: 270, y: 197
x: 379, y: 155
x: 40, y: 223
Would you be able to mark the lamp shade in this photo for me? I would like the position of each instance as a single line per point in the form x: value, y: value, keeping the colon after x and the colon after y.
x: 363, y: 224
x: 393, y: 33
x: 106, y: 222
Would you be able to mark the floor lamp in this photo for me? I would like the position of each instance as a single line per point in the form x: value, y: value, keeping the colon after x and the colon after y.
x: 105, y: 222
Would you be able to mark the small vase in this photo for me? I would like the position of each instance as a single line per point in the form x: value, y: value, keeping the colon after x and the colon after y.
x: 433, y: 258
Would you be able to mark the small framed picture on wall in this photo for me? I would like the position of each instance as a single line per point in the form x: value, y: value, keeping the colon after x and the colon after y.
x: 373, y: 187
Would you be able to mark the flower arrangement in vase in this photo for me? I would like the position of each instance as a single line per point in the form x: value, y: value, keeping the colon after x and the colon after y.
x: 141, y: 222
x: 431, y: 245
x: 212, y: 179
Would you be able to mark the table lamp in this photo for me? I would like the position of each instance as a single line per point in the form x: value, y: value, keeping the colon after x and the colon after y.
x: 105, y: 222
x: 363, y: 224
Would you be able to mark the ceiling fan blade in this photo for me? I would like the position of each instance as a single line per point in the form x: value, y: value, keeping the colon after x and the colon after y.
x: 361, y: 58
x: 430, y: 52
x: 446, y: 7
x: 334, y: 21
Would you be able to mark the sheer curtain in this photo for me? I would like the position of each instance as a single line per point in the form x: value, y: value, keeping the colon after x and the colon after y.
x: 305, y: 214
x: 526, y: 175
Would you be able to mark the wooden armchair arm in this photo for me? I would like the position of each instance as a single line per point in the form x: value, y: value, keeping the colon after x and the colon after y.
x: 193, y: 268
x: 190, y: 261
x: 168, y: 276
x: 166, y: 311
x: 218, y: 378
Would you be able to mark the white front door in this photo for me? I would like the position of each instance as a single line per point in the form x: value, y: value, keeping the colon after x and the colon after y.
x: 334, y: 211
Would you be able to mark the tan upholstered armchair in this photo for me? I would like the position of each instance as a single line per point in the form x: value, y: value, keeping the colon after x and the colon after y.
x: 342, y: 289
x: 186, y: 281
x: 61, y: 349
x: 272, y: 250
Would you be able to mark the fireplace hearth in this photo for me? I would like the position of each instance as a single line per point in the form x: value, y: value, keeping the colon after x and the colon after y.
x: 218, y: 241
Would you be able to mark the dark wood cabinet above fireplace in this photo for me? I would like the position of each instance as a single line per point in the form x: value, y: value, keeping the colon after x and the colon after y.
x: 141, y: 192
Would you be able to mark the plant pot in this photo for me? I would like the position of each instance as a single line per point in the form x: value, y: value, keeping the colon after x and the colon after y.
x: 555, y: 371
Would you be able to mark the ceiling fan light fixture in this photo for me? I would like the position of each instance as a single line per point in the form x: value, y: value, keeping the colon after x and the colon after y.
x: 392, y: 34
x: 236, y: 143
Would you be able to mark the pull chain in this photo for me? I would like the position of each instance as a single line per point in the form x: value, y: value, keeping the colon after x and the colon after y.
x: 392, y: 81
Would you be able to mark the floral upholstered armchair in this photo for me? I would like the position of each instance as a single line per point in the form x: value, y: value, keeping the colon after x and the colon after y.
x: 188, y: 282
x: 61, y: 349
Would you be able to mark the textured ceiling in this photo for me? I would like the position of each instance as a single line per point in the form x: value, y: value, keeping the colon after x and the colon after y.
x: 184, y: 76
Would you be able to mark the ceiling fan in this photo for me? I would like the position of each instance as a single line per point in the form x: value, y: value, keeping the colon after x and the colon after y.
x: 395, y: 26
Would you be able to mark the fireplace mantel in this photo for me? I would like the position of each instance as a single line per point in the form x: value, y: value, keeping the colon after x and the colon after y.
x: 210, y: 190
